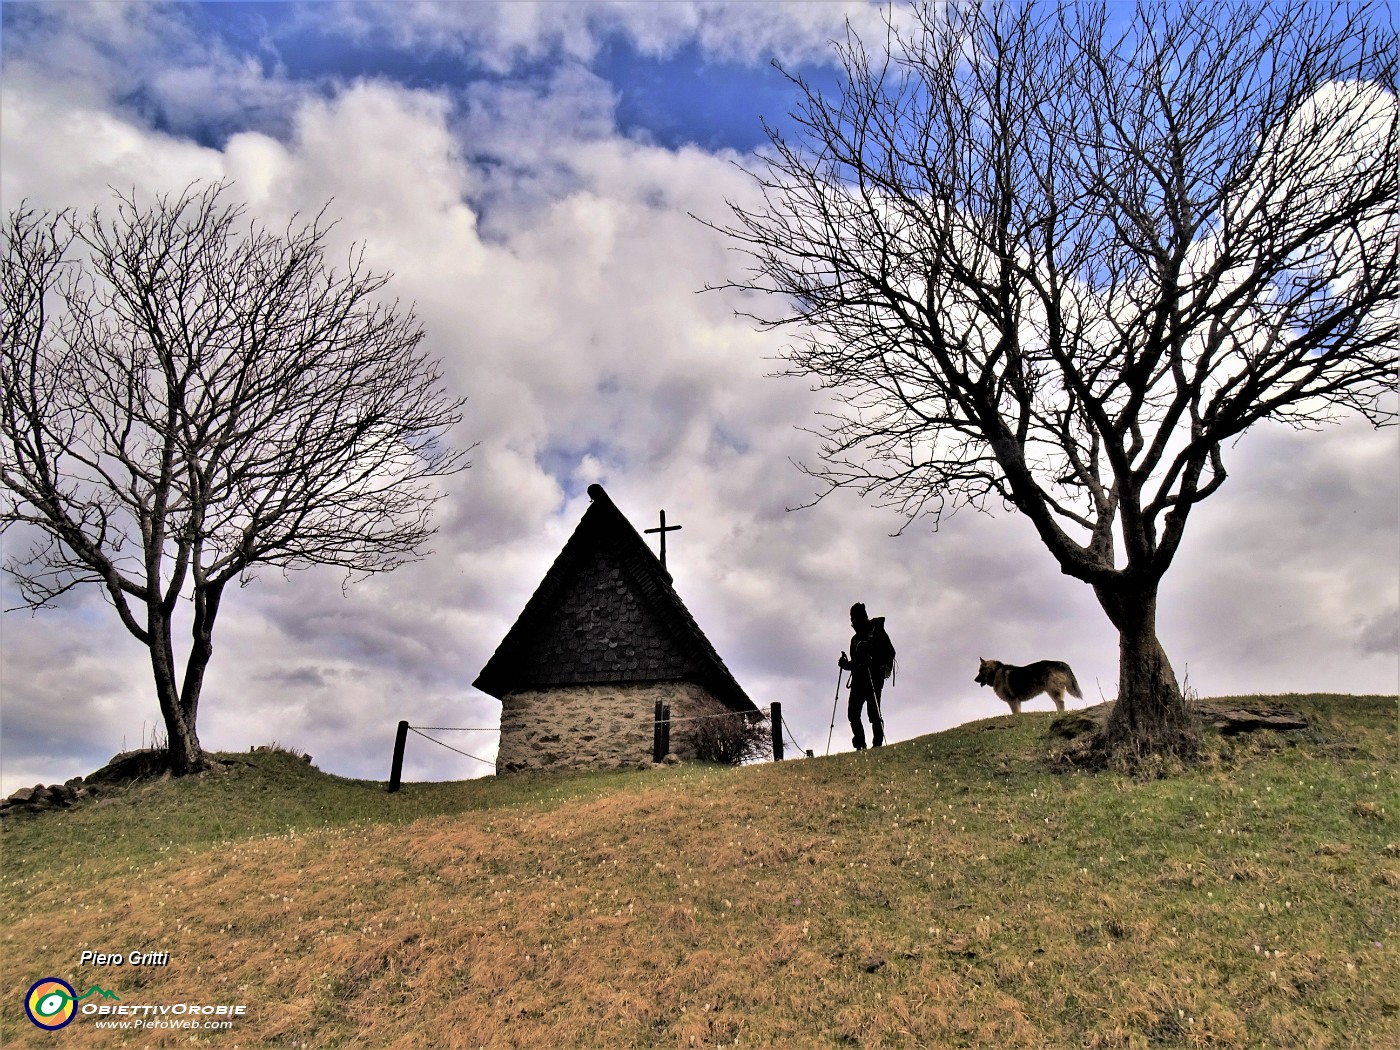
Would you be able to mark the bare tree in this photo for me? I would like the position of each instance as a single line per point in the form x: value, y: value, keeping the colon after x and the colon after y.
x: 1058, y: 256
x: 188, y: 397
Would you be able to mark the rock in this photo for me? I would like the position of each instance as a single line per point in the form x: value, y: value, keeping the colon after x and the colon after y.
x: 122, y: 769
x: 59, y: 795
x: 133, y: 765
x: 1231, y: 721
x: 1074, y: 724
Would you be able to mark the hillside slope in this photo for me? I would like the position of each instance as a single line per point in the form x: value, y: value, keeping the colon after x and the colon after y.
x: 945, y: 891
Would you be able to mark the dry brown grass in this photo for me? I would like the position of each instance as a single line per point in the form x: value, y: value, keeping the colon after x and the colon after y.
x: 924, y: 895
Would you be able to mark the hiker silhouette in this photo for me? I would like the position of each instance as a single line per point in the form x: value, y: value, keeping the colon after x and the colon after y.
x: 870, y: 663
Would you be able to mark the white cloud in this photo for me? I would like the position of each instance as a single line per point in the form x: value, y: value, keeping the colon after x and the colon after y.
x: 1287, y: 579
x: 86, y: 148
x: 507, y: 36
x: 149, y: 62
x: 555, y: 268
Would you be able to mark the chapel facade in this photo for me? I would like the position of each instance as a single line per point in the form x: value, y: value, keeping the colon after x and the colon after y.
x: 604, y: 637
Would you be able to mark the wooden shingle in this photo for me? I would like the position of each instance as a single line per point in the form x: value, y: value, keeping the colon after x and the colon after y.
x: 606, y: 611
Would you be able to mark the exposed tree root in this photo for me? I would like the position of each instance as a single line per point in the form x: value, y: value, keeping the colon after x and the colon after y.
x: 1098, y: 744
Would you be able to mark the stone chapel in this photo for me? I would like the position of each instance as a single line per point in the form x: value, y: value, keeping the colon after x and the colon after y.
x: 603, y: 638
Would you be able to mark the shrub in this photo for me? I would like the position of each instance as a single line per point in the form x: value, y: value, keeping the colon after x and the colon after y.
x: 731, y: 738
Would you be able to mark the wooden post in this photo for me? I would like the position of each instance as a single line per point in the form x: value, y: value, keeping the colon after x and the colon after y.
x: 656, y: 753
x: 776, y: 717
x: 665, y: 731
x: 396, y: 772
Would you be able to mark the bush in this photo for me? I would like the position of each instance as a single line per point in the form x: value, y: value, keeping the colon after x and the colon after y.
x: 731, y: 738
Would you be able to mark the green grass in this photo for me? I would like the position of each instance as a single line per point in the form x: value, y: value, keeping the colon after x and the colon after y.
x: 946, y: 891
x: 266, y: 792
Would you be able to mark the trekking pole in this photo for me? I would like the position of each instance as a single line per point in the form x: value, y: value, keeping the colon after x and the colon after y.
x: 834, y: 701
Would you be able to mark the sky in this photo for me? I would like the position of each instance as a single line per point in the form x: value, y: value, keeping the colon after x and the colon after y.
x: 534, y: 176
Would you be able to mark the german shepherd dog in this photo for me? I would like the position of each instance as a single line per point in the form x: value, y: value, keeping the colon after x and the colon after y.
x: 1017, y: 684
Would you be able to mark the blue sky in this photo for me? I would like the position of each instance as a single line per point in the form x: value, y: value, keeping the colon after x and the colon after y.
x: 673, y: 93
x: 680, y: 97
x: 530, y: 173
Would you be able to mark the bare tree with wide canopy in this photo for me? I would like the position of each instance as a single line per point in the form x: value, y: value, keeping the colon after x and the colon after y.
x: 1059, y: 256
x: 187, y: 397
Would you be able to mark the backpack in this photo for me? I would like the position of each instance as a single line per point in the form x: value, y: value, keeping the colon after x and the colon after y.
x: 881, y: 654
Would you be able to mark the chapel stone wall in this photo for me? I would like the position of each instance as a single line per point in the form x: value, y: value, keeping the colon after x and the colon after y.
x: 606, y: 726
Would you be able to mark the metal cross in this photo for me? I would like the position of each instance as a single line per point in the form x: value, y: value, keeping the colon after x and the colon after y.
x: 663, y: 529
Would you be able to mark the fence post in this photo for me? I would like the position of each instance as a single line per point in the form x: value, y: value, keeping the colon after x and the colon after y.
x: 656, y: 753
x: 776, y: 717
x: 396, y: 772
x: 665, y: 731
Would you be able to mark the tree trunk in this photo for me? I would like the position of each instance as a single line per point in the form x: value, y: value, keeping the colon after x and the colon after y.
x: 186, y: 756
x: 182, y: 742
x: 1150, y: 717
x: 207, y: 597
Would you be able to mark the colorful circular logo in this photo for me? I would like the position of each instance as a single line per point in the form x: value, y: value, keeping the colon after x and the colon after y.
x: 51, y: 1003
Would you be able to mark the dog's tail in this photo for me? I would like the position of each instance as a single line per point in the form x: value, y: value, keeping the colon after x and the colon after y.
x: 1073, y: 683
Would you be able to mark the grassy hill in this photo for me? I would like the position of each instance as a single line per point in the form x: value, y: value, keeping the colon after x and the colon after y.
x: 945, y: 891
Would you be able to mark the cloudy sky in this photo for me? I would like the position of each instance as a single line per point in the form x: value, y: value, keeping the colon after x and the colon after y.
x: 530, y: 173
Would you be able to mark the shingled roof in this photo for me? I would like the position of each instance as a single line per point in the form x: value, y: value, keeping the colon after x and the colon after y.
x: 607, y: 612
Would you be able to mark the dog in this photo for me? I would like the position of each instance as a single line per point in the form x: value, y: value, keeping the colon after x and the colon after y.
x: 1015, y: 685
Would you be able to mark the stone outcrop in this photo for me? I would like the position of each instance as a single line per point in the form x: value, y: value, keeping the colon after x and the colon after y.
x: 1233, y: 720
x: 123, y: 769
x: 43, y: 797
x: 1230, y: 719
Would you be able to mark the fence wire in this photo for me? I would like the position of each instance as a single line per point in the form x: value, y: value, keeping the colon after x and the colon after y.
x: 425, y: 736
x: 765, y: 711
x: 467, y: 729
x: 801, y: 751
x: 722, y: 714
